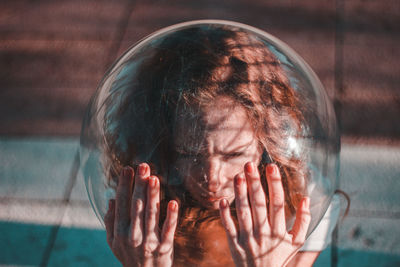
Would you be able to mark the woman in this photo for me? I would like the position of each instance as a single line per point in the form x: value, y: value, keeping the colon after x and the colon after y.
x: 206, y: 122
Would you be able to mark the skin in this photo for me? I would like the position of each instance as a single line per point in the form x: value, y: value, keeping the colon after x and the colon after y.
x: 132, y: 219
x: 217, y: 162
x: 262, y: 239
x: 210, y: 156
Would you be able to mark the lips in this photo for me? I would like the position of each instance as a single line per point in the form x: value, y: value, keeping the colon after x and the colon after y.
x: 212, y: 199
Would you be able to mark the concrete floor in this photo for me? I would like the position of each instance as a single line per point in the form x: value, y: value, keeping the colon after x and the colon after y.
x: 46, y: 218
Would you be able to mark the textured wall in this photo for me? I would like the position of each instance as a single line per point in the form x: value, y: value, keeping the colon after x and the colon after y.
x: 54, y: 53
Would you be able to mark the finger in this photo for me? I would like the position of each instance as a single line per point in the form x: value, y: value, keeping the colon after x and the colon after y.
x: 303, y: 218
x: 169, y: 227
x: 277, y: 200
x: 230, y: 228
x: 123, y: 202
x: 109, y: 221
x: 257, y: 200
x: 138, y: 204
x: 242, y: 207
x: 152, y: 213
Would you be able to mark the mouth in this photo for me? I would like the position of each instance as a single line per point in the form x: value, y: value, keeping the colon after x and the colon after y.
x: 203, y: 194
x: 213, y: 199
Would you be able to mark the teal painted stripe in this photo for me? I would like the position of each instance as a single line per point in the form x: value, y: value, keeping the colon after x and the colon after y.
x: 24, y: 244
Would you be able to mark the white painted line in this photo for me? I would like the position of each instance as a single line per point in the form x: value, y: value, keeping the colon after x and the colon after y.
x: 43, y: 213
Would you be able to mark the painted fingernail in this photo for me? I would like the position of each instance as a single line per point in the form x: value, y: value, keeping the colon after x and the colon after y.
x: 249, y: 167
x: 153, y: 181
x: 223, y: 203
x: 142, y: 169
x: 172, y: 205
x: 239, y: 180
x: 271, y: 169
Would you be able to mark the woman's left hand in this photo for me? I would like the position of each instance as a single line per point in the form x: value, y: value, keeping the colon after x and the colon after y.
x: 262, y: 239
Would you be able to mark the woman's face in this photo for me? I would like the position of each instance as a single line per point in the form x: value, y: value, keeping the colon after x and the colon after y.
x: 212, y: 147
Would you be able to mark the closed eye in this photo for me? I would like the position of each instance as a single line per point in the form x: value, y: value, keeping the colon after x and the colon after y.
x: 233, y: 155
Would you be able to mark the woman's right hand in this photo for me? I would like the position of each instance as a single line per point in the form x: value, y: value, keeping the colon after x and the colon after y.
x: 132, y: 221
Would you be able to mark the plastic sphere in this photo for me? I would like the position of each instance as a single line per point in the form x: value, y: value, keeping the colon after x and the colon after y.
x: 198, y: 100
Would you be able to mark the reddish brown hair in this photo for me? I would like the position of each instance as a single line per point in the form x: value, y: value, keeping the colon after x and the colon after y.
x: 190, y: 68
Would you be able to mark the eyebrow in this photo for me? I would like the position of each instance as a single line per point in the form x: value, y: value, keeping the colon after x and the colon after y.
x: 237, y: 149
x: 199, y: 148
x: 190, y: 149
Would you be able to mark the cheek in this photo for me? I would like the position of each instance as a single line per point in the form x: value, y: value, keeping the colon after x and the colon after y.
x: 233, y: 167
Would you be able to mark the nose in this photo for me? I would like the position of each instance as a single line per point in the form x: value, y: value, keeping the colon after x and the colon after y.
x: 212, y: 174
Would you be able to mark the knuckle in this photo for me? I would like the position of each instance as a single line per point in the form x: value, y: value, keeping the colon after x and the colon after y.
x: 255, y: 179
x: 243, y: 214
x: 134, y: 243
x: 231, y: 231
x: 135, y: 240
x: 147, y: 253
x: 152, y: 210
x: 137, y: 208
x: 263, y: 232
x: 149, y: 250
x: 138, y: 204
x: 278, y: 199
x: 165, y: 249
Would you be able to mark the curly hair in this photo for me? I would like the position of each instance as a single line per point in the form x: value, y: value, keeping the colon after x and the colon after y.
x: 189, y: 68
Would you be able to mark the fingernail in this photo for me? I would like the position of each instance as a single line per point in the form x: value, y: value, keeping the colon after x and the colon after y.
x: 152, y: 181
x: 142, y: 169
x: 223, y: 203
x: 249, y: 167
x: 172, y: 205
x: 271, y: 169
x: 239, y: 180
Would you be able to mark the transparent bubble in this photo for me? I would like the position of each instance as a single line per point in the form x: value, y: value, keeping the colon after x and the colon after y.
x: 198, y: 100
